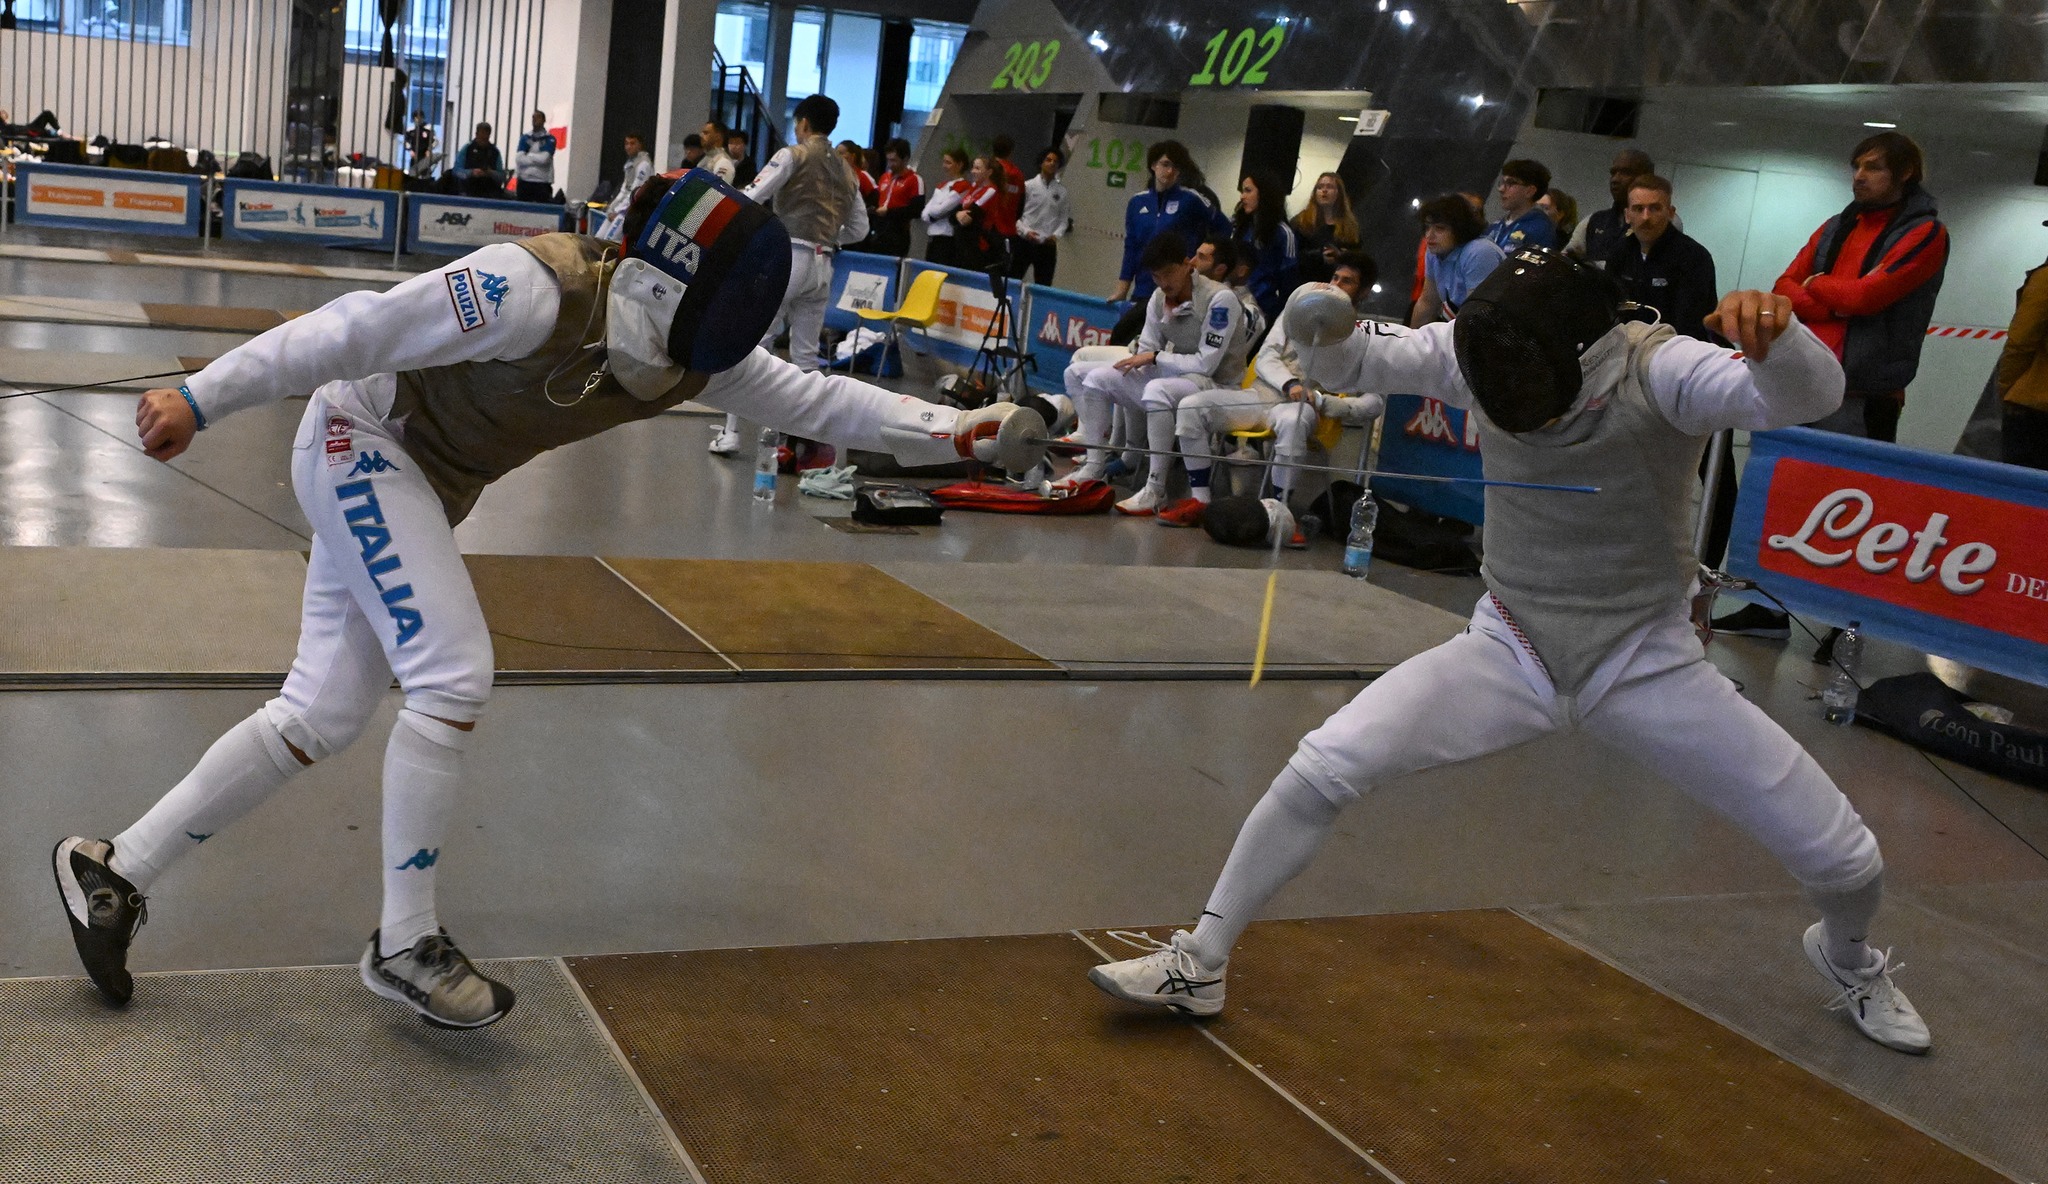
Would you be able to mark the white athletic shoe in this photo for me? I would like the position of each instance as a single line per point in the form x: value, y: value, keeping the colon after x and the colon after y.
x: 1082, y: 472
x: 1142, y: 504
x: 438, y: 981
x: 1874, y: 1003
x: 1169, y: 976
x: 725, y: 443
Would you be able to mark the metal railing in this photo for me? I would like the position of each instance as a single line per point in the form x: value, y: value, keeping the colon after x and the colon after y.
x: 737, y: 102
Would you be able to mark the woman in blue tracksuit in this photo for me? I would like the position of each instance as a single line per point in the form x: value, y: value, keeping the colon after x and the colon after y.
x: 1172, y: 202
x: 1261, y: 224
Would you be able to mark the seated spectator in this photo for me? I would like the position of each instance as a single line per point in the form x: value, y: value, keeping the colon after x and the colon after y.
x: 715, y: 160
x: 899, y: 199
x: 1261, y: 224
x: 419, y: 148
x: 1521, y: 223
x: 982, y: 239
x: 534, y: 161
x: 939, y: 227
x: 693, y: 150
x: 1228, y: 261
x: 1193, y: 340
x: 478, y: 170
x: 639, y: 166
x: 1047, y: 215
x: 1563, y: 209
x: 1458, y: 256
x: 743, y: 170
x: 1169, y: 203
x: 1277, y: 400
x: 1662, y: 266
x: 1325, y: 227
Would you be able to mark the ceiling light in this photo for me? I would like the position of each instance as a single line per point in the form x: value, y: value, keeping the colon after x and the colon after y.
x: 1406, y: 18
x: 1095, y: 39
x: 1874, y: 123
x: 1377, y: 288
x: 1415, y: 204
x: 1347, y: 119
x: 1383, y: 5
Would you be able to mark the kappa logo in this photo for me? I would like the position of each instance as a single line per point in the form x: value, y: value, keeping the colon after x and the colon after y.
x: 421, y: 860
x: 495, y: 287
x: 372, y: 461
x: 462, y: 293
x: 366, y: 522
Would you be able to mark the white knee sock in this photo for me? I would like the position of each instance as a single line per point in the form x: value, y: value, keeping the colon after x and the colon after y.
x: 1276, y: 843
x: 732, y: 423
x: 1092, y: 414
x: 244, y: 766
x: 422, y: 764
x: 1846, y: 916
x: 1198, y: 470
x: 1159, y: 438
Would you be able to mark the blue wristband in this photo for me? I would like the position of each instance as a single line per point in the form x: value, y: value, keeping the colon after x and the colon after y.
x: 198, y: 416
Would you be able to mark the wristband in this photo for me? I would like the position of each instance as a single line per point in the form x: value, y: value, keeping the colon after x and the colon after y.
x: 198, y: 416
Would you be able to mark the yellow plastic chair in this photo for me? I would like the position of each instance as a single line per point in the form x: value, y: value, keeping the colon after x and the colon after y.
x: 919, y: 306
x: 1259, y: 440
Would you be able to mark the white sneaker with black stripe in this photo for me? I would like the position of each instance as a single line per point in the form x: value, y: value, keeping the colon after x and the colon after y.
x: 1871, y: 999
x: 438, y: 981
x: 1170, y: 975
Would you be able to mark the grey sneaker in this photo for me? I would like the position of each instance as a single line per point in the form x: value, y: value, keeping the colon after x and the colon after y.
x: 1169, y: 976
x: 1873, y: 1002
x: 104, y: 910
x: 438, y: 981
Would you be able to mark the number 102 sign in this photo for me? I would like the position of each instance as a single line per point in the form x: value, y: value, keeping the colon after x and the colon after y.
x: 1239, y: 57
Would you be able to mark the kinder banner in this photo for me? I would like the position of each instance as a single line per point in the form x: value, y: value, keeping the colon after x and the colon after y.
x: 966, y: 309
x: 1058, y: 322
x: 127, y: 200
x: 1945, y: 553
x: 459, y: 225
x: 860, y: 281
x: 310, y: 213
x: 1424, y: 436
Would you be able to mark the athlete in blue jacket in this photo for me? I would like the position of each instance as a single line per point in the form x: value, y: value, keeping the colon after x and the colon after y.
x: 1167, y: 205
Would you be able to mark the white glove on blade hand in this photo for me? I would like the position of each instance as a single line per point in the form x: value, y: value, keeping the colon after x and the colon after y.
x: 1002, y: 434
x: 1319, y: 314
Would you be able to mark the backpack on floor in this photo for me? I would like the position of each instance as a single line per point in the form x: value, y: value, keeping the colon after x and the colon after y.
x: 895, y: 505
x: 1927, y: 713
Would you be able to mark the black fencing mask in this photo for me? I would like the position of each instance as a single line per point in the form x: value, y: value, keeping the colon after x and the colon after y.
x: 1521, y: 332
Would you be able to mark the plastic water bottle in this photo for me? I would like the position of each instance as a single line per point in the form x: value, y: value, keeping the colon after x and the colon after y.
x: 1365, y: 515
x: 766, y: 461
x: 1838, y: 701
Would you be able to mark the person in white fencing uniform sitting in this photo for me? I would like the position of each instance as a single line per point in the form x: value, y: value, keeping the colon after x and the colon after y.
x: 1193, y: 340
x: 1586, y: 623
x: 818, y: 200
x: 638, y: 168
x: 421, y: 397
x: 1278, y: 400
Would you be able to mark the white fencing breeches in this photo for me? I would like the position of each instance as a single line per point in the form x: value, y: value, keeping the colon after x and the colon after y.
x: 803, y: 304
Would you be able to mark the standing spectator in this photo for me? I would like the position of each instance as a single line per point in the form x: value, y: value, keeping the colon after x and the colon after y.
x: 419, y: 148
x: 1001, y: 149
x: 983, y: 238
x: 940, y: 240
x: 1047, y: 214
x: 1521, y: 223
x: 715, y: 160
x: 742, y: 158
x: 1603, y: 230
x: 856, y: 160
x: 1164, y: 205
x: 1261, y: 224
x: 1563, y: 209
x: 639, y: 167
x: 818, y: 202
x: 899, y: 199
x: 1325, y: 227
x: 2023, y: 377
x: 479, y: 169
x: 534, y: 161
x: 1662, y: 266
x: 1459, y: 256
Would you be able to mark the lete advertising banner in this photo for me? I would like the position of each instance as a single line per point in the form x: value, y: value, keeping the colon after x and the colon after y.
x: 126, y: 200
x: 966, y: 309
x: 310, y: 213
x: 1424, y: 436
x: 1058, y: 322
x: 1944, y: 553
x: 860, y: 280
x: 459, y: 225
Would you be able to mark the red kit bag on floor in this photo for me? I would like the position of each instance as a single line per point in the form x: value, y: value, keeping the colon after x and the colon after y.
x: 1089, y: 497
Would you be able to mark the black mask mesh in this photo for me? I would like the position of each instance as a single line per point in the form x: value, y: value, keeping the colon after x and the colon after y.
x: 1521, y: 382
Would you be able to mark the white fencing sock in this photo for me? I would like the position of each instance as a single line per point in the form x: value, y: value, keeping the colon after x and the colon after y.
x: 1092, y: 417
x: 1276, y: 843
x: 1159, y: 438
x: 246, y: 765
x: 422, y: 765
x: 1846, y: 917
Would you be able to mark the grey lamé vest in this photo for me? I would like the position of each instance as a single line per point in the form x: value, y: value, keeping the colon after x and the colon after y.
x: 469, y: 424
x: 1580, y: 572
x: 1185, y: 336
x: 814, y: 202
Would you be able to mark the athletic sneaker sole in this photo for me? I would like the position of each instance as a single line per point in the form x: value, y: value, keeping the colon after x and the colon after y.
x: 115, y: 984
x: 378, y: 986
x: 1198, y: 1008
x: 1811, y: 943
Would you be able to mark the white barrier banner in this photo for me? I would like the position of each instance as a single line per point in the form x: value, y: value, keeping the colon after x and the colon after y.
x: 113, y: 198
x: 325, y: 214
x: 459, y: 226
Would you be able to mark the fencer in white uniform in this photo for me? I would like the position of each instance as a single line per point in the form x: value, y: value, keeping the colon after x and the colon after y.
x: 1585, y: 625
x: 1193, y: 339
x: 421, y: 397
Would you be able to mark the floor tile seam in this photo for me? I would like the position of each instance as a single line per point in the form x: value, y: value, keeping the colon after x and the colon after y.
x: 1260, y: 1075
x: 663, y: 610
x: 187, y: 973
x: 625, y: 1063
x: 35, y: 251
x: 1774, y: 1049
x: 893, y: 578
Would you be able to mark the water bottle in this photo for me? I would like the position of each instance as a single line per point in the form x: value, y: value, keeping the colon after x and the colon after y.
x: 766, y: 461
x: 1365, y: 515
x: 1838, y: 701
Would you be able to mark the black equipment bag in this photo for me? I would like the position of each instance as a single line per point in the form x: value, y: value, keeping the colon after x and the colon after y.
x: 1927, y: 713
x: 895, y: 505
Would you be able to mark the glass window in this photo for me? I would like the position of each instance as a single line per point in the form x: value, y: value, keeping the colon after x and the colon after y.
x: 806, y: 54
x: 421, y: 34
x: 741, y: 36
x: 933, y: 46
x: 155, y: 22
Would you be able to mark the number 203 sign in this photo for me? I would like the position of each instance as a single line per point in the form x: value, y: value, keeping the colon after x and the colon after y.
x: 1026, y: 66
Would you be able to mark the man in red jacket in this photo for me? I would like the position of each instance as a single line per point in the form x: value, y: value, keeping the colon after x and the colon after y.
x: 1865, y: 284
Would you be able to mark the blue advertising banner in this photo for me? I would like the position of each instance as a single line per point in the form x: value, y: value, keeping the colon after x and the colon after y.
x: 1424, y: 436
x: 458, y: 225
x: 324, y: 214
x: 860, y: 280
x: 1946, y: 554
x: 129, y: 201
x: 966, y: 309
x: 1058, y: 322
